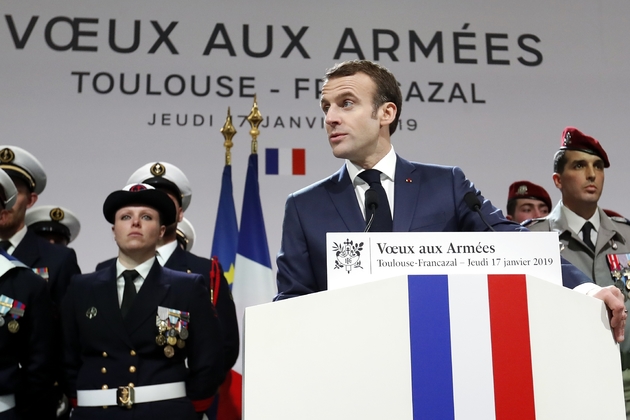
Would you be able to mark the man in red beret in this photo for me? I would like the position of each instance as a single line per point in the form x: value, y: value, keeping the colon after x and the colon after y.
x: 527, y: 201
x: 595, y: 243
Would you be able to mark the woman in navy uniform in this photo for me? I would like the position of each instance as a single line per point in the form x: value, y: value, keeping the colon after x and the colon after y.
x: 26, y: 334
x: 157, y: 355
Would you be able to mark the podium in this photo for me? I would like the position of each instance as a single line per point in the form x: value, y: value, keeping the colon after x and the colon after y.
x: 464, y: 346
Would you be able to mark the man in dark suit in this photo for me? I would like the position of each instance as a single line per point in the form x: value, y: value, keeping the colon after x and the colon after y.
x: 26, y: 334
x: 362, y: 101
x: 137, y: 335
x: 56, y: 264
x: 171, y: 180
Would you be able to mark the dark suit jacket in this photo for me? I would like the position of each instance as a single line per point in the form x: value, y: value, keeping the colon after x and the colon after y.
x: 26, y: 360
x: 87, y: 340
x: 61, y: 262
x: 427, y: 198
x: 188, y: 262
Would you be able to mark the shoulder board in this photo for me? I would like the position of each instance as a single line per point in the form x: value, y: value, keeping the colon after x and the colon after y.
x: 620, y: 220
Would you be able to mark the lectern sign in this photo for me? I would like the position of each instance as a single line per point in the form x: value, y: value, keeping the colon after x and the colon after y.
x: 355, y: 258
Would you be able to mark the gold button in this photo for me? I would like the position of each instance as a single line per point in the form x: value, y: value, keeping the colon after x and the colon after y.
x: 131, y: 384
x: 132, y: 369
x: 104, y: 354
x: 104, y: 387
x: 132, y: 352
x: 103, y: 370
x: 188, y: 271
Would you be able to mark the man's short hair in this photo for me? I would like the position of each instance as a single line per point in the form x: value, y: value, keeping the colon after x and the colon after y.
x: 387, y: 88
x: 559, y: 161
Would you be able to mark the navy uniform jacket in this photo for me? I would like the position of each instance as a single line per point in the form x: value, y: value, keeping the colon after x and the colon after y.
x: 61, y: 262
x: 188, y: 262
x: 26, y: 362
x: 101, y: 350
x: 427, y: 198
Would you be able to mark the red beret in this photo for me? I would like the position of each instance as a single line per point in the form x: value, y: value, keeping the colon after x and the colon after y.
x: 611, y: 213
x: 526, y: 189
x: 574, y: 139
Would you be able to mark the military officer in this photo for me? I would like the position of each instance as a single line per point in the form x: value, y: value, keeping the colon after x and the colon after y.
x: 56, y: 264
x: 595, y: 243
x: 185, y: 234
x: 171, y: 180
x: 526, y: 201
x: 154, y: 355
x: 26, y: 362
x: 56, y: 224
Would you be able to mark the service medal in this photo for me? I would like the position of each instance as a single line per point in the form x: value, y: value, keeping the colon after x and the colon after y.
x: 183, y: 333
x: 13, y: 326
x: 169, y: 351
x: 160, y: 340
x: 181, y: 343
x: 171, y: 340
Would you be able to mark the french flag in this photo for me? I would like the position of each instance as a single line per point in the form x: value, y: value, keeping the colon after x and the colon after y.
x: 499, y: 358
x: 470, y: 361
x: 285, y: 161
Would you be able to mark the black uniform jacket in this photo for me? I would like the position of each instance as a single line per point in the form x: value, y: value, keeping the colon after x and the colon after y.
x: 101, y: 348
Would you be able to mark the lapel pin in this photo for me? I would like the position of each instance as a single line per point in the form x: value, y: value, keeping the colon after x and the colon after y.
x: 408, y: 180
x: 91, y: 313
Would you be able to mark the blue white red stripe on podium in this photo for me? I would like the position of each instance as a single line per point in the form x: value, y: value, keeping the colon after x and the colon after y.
x: 483, y: 356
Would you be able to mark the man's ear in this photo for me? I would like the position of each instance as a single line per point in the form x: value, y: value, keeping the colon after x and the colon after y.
x: 557, y: 180
x: 32, y: 199
x: 388, y: 115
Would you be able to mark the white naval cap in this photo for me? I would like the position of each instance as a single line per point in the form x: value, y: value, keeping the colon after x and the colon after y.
x: 18, y: 162
x: 55, y: 219
x: 9, y: 190
x: 186, y: 234
x: 164, y: 175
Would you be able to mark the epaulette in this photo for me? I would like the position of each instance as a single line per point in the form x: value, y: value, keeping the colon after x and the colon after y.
x: 620, y: 220
x: 532, y: 222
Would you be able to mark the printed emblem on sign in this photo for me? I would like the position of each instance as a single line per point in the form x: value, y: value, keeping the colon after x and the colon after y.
x: 522, y: 190
x: 6, y: 155
x: 348, y: 255
x: 56, y: 214
x: 158, y: 169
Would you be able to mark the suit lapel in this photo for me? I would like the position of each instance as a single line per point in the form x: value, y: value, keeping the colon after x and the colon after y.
x: 406, y: 194
x: 607, y: 231
x: 106, y: 296
x: 341, y: 192
x: 151, y: 294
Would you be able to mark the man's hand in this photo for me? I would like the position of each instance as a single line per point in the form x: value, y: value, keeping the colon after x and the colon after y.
x: 613, y: 298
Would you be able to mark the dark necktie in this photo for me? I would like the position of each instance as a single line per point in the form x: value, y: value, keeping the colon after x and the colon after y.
x: 5, y: 245
x: 382, y: 214
x: 129, y: 293
x: 586, y: 235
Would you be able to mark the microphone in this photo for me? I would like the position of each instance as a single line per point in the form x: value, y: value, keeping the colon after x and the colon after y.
x: 371, y: 202
x: 474, y: 204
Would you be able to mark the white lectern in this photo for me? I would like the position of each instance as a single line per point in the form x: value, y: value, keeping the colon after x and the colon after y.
x: 433, y: 347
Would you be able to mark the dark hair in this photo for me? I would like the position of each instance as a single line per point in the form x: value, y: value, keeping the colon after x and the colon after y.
x: 511, y: 206
x: 559, y: 161
x: 387, y: 89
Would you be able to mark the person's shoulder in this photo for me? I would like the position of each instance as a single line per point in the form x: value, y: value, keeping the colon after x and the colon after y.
x: 177, y: 276
x: 318, y: 186
x: 540, y: 224
x: 105, y: 264
x: 621, y: 220
x: 621, y: 224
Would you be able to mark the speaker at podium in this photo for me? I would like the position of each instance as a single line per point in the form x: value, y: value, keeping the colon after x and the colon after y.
x: 433, y: 346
